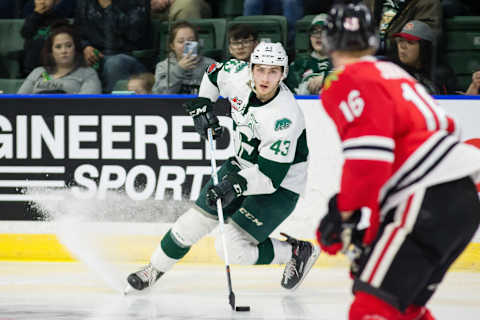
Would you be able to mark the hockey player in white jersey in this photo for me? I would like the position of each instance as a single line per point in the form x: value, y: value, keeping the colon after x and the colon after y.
x: 260, y: 185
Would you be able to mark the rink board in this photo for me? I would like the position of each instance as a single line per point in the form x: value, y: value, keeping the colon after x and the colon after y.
x: 108, y: 243
x: 32, y: 242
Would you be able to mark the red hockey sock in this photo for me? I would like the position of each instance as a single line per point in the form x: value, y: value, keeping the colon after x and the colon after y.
x: 368, y: 307
x: 416, y: 313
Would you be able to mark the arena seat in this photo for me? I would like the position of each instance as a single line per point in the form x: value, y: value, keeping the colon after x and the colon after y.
x: 11, y: 47
x: 271, y: 28
x: 463, y: 47
x: 302, y: 37
x: 10, y: 85
x: 230, y: 9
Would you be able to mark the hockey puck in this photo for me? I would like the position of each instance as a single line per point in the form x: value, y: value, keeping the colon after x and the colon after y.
x: 243, y: 308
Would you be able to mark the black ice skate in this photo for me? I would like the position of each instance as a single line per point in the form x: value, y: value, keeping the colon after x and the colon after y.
x: 304, y: 255
x: 143, y: 278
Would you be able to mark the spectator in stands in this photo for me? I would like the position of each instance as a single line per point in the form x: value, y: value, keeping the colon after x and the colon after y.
x: 64, y: 69
x: 242, y: 39
x: 36, y: 30
x: 180, y: 73
x: 474, y: 87
x: 180, y: 9
x: 109, y: 31
x: 392, y: 15
x: 291, y: 9
x: 63, y: 8
x: 141, y: 83
x: 415, y: 51
x: 306, y: 74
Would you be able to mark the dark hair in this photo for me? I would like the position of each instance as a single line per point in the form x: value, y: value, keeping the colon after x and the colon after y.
x: 242, y: 31
x: 425, y: 56
x: 177, y: 26
x: 427, y: 64
x: 46, y: 55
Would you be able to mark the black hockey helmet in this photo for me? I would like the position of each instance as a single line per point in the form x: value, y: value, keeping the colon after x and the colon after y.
x: 350, y: 27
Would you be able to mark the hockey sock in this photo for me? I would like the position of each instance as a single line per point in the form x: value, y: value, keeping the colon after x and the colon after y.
x: 172, y: 246
x: 265, y: 252
x: 167, y: 253
x: 185, y: 232
x: 282, y: 251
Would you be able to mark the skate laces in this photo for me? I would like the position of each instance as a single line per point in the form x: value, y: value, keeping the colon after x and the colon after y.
x: 290, y: 270
x: 148, y: 274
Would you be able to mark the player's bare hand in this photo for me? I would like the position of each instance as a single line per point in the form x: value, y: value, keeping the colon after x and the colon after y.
x: 188, y: 62
x: 90, y: 56
x: 315, y: 84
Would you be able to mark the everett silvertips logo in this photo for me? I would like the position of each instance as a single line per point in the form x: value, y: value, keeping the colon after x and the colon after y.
x: 236, y: 103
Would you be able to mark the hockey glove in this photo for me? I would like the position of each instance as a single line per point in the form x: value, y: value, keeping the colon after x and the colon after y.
x: 230, y: 188
x: 203, y: 117
x: 333, y: 234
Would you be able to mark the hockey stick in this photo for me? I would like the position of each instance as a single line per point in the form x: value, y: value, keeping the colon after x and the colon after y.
x: 231, y: 295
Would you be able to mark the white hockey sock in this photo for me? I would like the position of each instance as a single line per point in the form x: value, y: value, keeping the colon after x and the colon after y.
x: 161, y: 261
x: 282, y: 251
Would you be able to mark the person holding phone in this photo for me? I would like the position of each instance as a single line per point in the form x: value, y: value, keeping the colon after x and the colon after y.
x: 182, y: 71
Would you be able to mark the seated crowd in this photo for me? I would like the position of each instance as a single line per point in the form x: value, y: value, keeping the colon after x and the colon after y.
x: 88, y: 46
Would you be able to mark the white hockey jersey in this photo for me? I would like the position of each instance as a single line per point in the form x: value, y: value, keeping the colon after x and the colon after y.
x: 270, y: 138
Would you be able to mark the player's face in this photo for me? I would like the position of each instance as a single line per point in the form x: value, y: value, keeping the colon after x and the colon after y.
x: 182, y: 35
x: 63, y: 50
x: 241, y: 49
x: 316, y: 40
x: 267, y: 79
x: 409, y: 52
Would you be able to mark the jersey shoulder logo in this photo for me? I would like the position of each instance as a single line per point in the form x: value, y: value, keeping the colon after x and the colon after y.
x: 235, y: 66
x: 333, y: 76
x: 282, y: 124
x: 236, y: 103
x: 213, y: 67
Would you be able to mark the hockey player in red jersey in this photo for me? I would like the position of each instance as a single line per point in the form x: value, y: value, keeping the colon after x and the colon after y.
x: 407, y: 205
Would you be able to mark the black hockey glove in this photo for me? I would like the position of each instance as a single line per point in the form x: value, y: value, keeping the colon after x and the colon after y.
x: 333, y: 234
x: 203, y: 117
x: 230, y: 188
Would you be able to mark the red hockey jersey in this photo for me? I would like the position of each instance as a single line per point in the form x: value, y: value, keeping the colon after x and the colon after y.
x: 394, y: 137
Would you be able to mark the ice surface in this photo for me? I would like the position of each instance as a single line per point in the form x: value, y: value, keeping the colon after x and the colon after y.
x: 58, y: 291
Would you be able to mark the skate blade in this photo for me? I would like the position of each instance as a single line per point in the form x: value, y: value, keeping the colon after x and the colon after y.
x: 128, y: 290
x: 310, y: 262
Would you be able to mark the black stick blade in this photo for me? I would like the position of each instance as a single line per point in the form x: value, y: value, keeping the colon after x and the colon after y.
x: 231, y: 299
x: 242, y: 308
